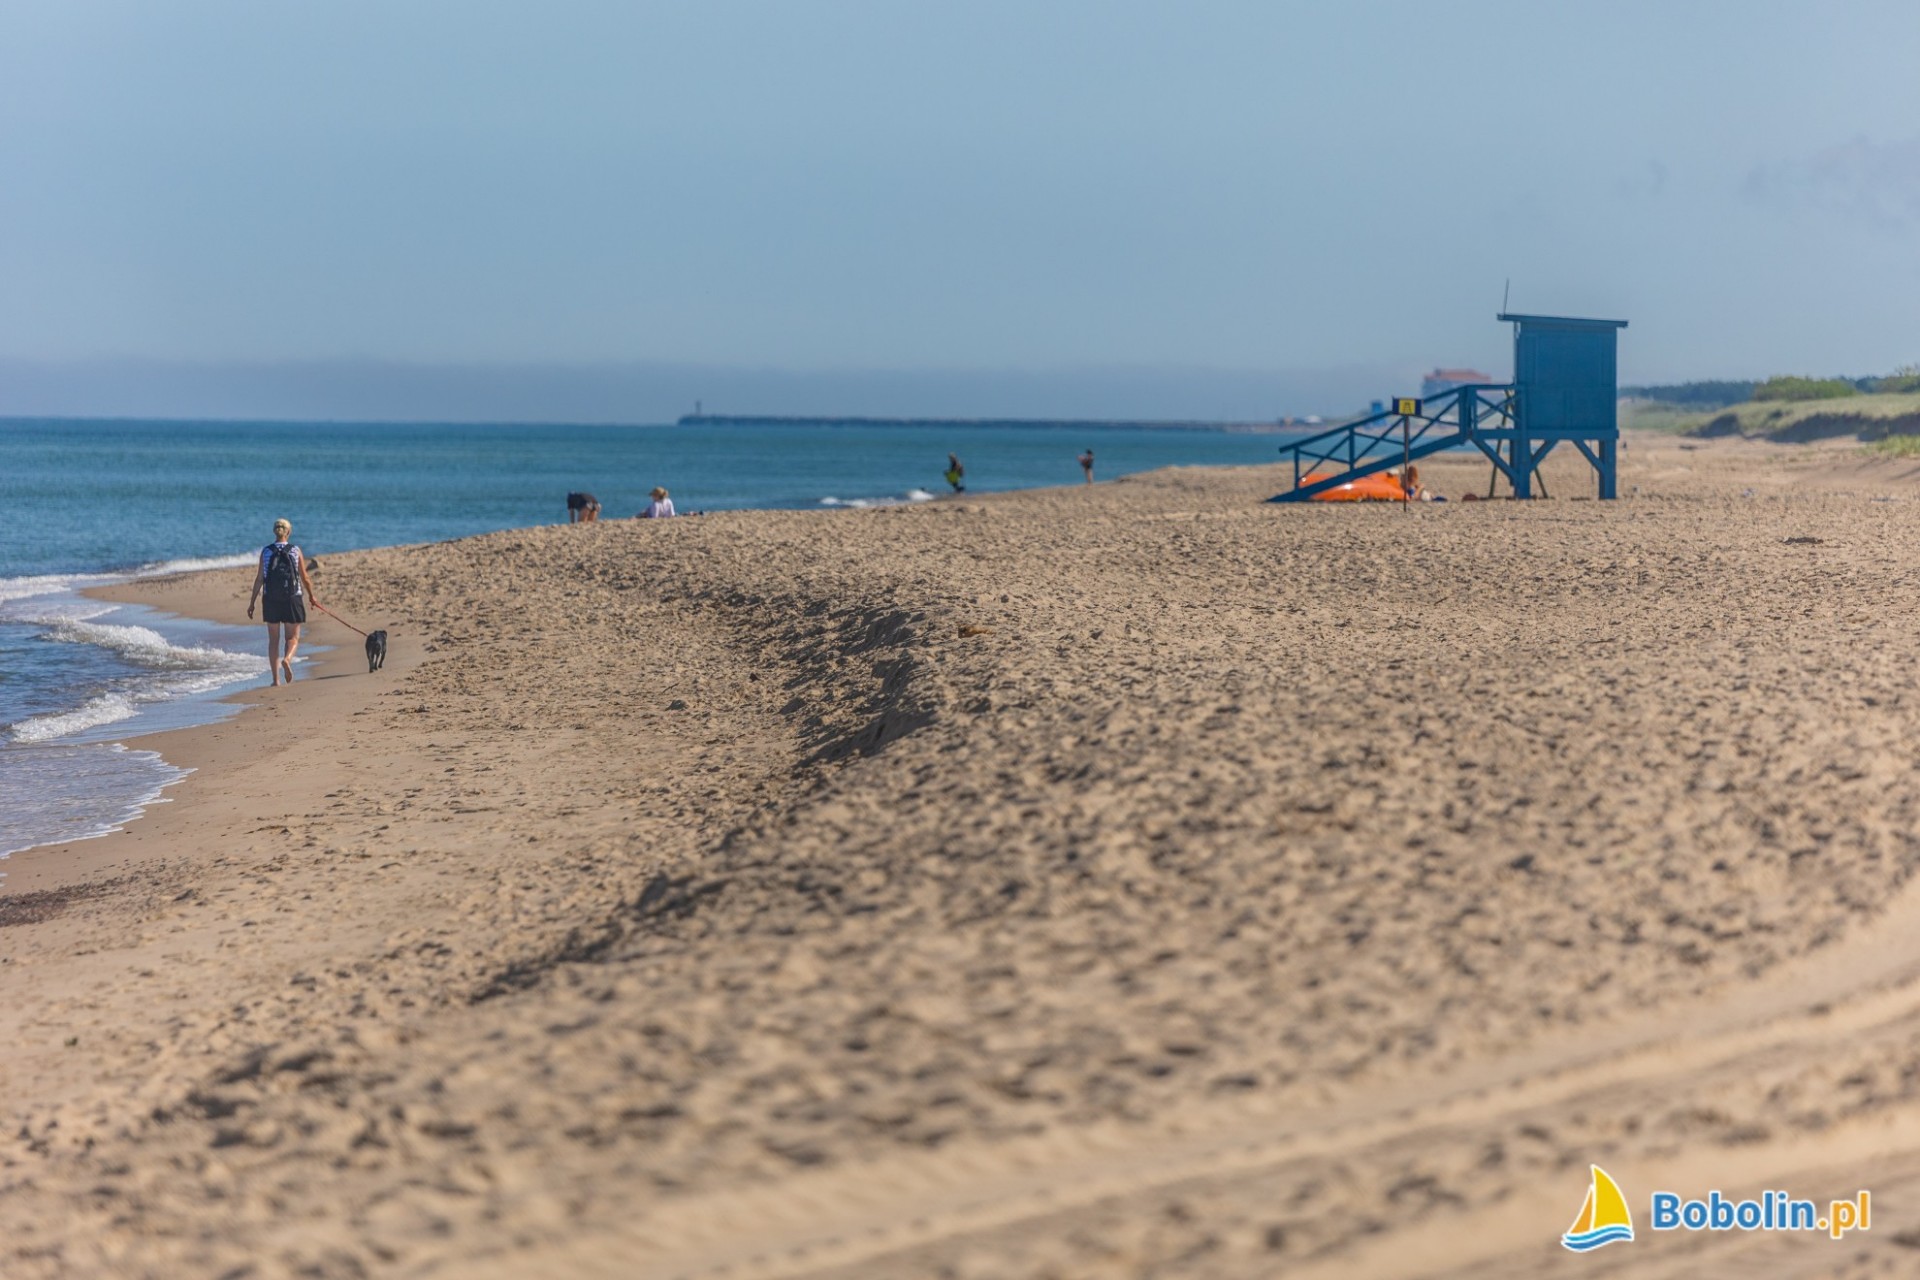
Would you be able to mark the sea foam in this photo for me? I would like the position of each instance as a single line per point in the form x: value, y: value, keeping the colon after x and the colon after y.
x: 861, y: 504
x: 192, y: 565
x: 160, y: 668
x: 48, y: 584
x: 54, y: 793
x: 149, y: 648
x: 178, y: 671
x: 108, y: 708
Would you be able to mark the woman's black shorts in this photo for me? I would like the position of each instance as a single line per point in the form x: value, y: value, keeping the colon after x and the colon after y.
x: 294, y: 610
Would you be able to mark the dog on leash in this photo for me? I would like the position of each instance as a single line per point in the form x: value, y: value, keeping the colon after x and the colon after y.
x: 376, y: 650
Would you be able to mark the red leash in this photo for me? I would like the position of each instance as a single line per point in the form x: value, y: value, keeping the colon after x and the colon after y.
x: 337, y: 618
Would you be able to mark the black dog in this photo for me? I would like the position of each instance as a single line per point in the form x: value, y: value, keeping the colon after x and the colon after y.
x: 376, y: 650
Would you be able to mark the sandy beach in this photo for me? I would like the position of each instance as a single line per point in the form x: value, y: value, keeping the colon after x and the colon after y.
x: 1136, y: 880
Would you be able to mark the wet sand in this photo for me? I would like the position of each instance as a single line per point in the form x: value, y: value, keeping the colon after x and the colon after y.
x: 1136, y: 880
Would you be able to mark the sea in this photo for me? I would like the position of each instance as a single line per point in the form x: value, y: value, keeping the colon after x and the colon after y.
x: 86, y: 503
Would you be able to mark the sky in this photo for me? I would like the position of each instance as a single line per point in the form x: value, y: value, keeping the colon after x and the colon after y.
x: 604, y: 211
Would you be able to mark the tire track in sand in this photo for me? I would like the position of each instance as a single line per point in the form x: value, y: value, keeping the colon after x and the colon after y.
x: 845, y: 1215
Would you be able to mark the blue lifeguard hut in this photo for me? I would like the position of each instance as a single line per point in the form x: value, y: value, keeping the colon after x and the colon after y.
x: 1565, y: 390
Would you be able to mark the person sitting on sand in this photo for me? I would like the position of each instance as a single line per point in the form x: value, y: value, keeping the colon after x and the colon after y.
x: 660, y: 508
x: 282, y: 576
x: 582, y: 508
x: 956, y: 473
x: 1086, y: 464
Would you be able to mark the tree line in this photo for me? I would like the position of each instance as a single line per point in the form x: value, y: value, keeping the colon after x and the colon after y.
x: 1719, y: 394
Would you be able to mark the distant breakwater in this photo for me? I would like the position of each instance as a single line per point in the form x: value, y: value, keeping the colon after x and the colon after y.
x: 779, y: 420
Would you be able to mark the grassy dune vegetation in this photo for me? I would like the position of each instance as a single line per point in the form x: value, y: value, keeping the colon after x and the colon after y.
x: 1897, y: 446
x: 1653, y: 415
x: 1870, y: 417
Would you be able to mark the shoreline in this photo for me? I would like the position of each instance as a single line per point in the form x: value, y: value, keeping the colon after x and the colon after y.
x: 969, y: 886
x: 217, y: 746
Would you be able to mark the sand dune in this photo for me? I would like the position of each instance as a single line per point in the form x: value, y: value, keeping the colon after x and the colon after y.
x: 1136, y: 880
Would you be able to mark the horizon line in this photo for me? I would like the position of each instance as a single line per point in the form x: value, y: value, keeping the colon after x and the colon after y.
x: 729, y: 419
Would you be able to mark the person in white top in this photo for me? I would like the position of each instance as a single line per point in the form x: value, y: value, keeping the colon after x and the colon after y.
x: 660, y: 507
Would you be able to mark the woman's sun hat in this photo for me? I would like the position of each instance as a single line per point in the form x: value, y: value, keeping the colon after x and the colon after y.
x: 658, y: 493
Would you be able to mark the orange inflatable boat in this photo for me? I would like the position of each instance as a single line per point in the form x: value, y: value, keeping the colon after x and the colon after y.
x: 1381, y: 486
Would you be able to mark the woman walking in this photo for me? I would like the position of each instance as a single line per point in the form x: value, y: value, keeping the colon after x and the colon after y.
x: 281, y: 578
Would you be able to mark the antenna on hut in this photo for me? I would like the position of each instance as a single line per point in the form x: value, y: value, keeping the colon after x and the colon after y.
x: 1503, y: 295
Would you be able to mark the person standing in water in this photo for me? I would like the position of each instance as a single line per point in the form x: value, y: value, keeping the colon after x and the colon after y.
x: 956, y: 473
x: 1086, y: 464
x: 282, y: 578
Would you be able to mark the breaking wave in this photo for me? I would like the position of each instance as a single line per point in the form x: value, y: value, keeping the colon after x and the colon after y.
x: 150, y: 649
x: 49, y: 584
x: 108, y: 708
x: 911, y: 495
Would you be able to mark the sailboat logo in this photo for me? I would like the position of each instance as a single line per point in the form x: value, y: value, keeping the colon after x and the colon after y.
x: 1603, y: 1218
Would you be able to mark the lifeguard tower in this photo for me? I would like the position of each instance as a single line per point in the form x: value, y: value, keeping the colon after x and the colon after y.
x: 1564, y: 391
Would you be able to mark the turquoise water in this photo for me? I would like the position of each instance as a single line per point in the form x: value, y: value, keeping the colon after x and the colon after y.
x: 83, y: 503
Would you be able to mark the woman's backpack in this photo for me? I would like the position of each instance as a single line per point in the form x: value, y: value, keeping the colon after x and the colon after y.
x: 283, y: 577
